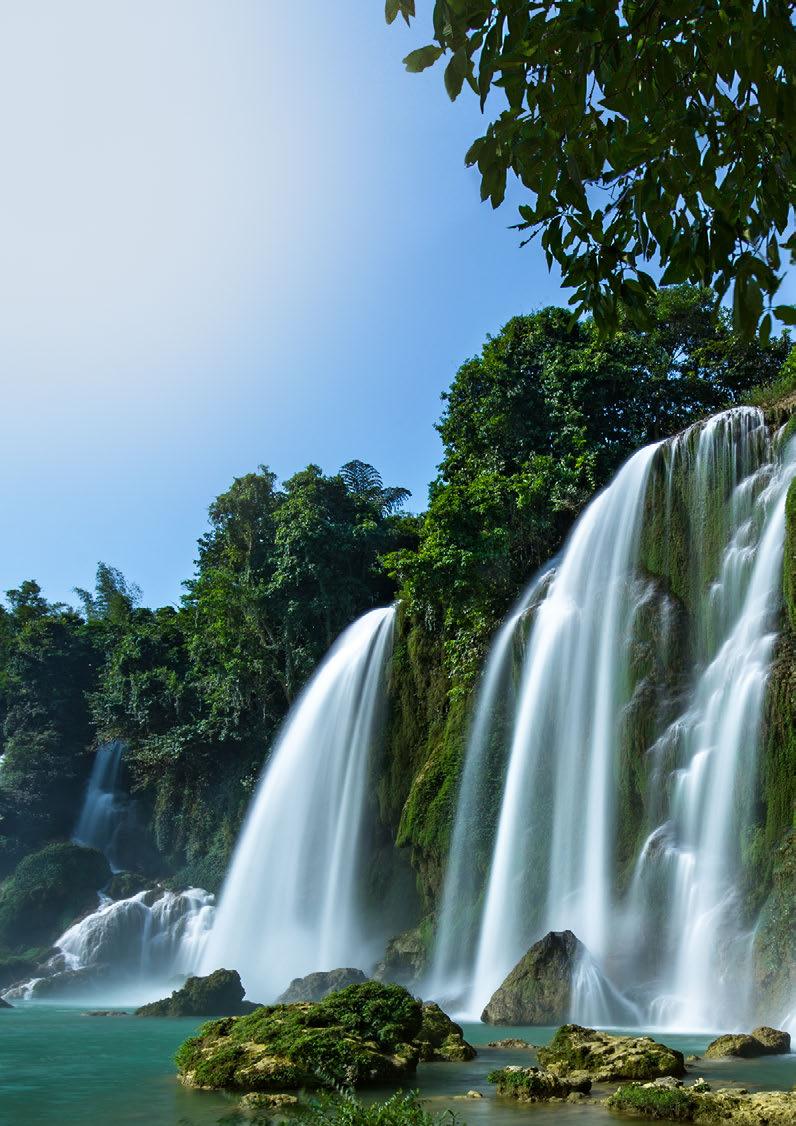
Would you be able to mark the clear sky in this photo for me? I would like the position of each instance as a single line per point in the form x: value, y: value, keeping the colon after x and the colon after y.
x: 231, y: 232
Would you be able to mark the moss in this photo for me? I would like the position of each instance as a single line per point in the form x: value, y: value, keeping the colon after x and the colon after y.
x: 529, y: 1084
x: 607, y: 1058
x: 47, y: 892
x: 675, y: 1104
x: 362, y: 1034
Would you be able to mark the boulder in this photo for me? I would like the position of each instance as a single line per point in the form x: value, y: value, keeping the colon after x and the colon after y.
x: 314, y: 987
x: 404, y: 960
x: 539, y: 988
x: 533, y: 1085
x: 510, y: 1042
x: 736, y: 1045
x: 699, y: 1104
x: 218, y: 994
x: 606, y: 1058
x: 5, y: 1004
x: 775, y: 1041
x: 442, y: 1039
x: 364, y: 1034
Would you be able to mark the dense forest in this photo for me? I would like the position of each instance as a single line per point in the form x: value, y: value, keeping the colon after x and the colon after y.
x: 531, y: 428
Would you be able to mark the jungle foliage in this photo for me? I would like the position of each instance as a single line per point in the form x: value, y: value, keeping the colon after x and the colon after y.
x: 643, y: 134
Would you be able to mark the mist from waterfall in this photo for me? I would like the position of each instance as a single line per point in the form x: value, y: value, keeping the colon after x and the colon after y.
x: 291, y: 903
x: 627, y: 681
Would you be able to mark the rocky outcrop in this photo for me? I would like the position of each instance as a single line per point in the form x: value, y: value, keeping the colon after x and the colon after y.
x: 404, y: 959
x: 219, y: 994
x: 539, y: 988
x: 510, y: 1042
x: 442, y: 1039
x: 672, y: 1101
x: 364, y: 1034
x: 314, y: 987
x: 531, y: 1084
x: 606, y: 1058
x: 763, y: 1041
x: 5, y: 1004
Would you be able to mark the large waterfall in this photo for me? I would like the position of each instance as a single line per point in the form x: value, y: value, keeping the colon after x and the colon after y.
x: 619, y: 713
x: 291, y: 902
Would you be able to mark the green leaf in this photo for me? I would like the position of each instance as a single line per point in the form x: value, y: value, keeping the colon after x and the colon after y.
x: 422, y: 58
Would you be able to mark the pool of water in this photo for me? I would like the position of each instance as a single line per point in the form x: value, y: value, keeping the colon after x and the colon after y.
x: 61, y: 1068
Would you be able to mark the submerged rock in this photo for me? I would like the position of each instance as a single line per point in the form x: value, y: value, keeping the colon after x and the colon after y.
x: 699, y: 1104
x: 606, y: 1058
x: 440, y: 1038
x: 532, y: 1084
x: 370, y: 1033
x: 314, y: 987
x: 219, y: 994
x: 539, y: 988
x: 106, y: 1013
x: 763, y: 1041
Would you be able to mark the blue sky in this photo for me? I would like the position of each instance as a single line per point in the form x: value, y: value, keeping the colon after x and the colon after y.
x: 232, y: 233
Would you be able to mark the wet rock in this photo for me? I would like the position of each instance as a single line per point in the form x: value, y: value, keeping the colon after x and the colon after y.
x: 532, y: 1084
x: 606, y: 1058
x: 362, y: 1035
x: 442, y: 1039
x: 218, y: 994
x: 700, y: 1105
x: 5, y: 1004
x: 741, y: 1046
x: 539, y: 988
x: 510, y: 1042
x: 314, y: 987
x: 404, y: 959
x: 105, y: 1013
x: 473, y: 1095
x: 775, y: 1041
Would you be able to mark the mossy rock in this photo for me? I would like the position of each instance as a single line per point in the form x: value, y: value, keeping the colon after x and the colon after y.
x: 531, y: 1084
x: 219, y: 994
x: 539, y: 988
x: 442, y: 1039
x: 314, y: 987
x: 606, y: 1058
x: 358, y: 1036
x: 764, y: 1041
x: 698, y: 1104
x: 48, y: 891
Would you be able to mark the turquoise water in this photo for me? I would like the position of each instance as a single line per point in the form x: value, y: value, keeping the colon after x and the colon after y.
x: 60, y: 1068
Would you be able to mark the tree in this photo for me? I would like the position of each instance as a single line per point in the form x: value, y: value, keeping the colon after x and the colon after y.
x: 644, y: 132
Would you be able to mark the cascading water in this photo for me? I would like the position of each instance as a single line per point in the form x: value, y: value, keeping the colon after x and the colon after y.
x: 291, y: 902
x: 638, y: 702
x: 105, y: 806
x: 128, y: 950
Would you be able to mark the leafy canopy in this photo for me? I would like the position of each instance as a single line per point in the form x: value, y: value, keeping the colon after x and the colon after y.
x: 644, y: 132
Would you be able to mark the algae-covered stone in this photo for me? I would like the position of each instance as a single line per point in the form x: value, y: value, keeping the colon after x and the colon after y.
x: 509, y: 1042
x: 314, y: 987
x: 775, y: 1041
x: 606, y: 1058
x: 218, y: 994
x: 360, y: 1035
x: 738, y: 1045
x: 698, y: 1104
x: 539, y: 988
x: 440, y: 1038
x: 532, y: 1084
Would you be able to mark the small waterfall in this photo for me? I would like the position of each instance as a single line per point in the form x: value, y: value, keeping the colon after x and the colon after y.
x: 105, y: 807
x: 291, y: 904
x: 637, y: 702
x: 129, y: 950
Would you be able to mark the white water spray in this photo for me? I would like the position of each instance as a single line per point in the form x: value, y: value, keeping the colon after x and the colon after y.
x: 291, y: 902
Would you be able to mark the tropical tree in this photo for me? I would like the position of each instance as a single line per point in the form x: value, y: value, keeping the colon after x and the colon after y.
x: 645, y: 133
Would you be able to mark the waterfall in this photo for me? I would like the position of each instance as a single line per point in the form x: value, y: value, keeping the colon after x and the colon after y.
x: 128, y: 950
x: 291, y: 901
x: 105, y: 806
x: 633, y: 718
